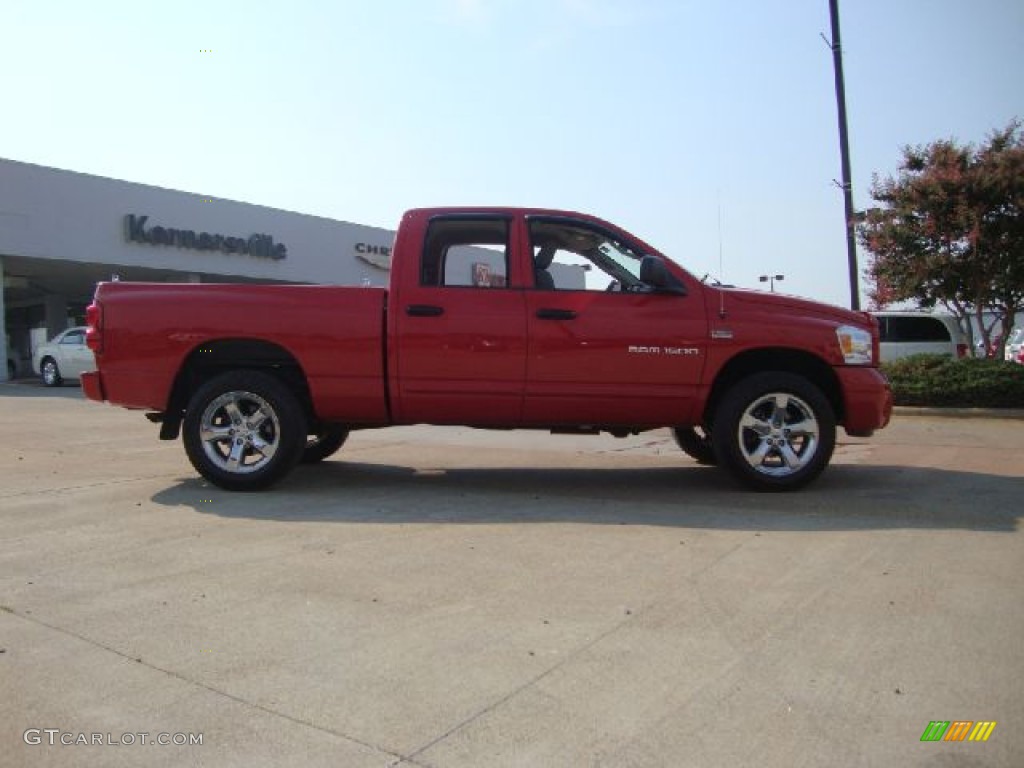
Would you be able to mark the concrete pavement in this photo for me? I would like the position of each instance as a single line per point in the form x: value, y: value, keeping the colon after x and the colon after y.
x: 450, y: 597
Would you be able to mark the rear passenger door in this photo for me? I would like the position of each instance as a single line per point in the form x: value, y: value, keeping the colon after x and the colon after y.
x: 461, y: 328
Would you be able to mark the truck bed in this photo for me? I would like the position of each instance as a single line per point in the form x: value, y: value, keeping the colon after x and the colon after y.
x: 335, y: 334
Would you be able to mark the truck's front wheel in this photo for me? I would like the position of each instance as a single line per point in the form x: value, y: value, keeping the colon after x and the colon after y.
x: 244, y: 430
x: 774, y: 431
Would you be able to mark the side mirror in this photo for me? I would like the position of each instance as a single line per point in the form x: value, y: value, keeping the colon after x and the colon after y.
x: 654, y: 273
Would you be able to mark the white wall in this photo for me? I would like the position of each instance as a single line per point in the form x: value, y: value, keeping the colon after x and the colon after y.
x: 52, y: 214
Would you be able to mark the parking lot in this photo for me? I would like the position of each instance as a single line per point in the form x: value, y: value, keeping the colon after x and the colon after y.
x: 458, y: 598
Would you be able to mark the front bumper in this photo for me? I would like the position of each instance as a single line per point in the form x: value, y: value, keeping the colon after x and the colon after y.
x: 867, y: 397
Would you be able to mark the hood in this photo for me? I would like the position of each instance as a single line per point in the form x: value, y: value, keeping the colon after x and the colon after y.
x: 740, y: 299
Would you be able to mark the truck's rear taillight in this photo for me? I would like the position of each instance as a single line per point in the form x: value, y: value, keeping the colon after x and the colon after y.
x: 94, y: 333
x: 961, y: 350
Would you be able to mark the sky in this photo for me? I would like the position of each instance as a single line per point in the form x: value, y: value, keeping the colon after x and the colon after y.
x: 708, y: 129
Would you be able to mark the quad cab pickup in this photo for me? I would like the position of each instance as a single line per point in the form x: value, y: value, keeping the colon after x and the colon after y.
x: 497, y: 318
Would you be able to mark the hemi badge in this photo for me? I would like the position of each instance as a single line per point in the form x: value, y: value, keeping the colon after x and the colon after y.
x: 721, y: 334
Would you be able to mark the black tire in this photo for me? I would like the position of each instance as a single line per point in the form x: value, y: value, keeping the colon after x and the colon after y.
x: 695, y: 442
x: 232, y: 449
x: 323, y: 443
x: 773, y: 448
x: 50, y: 372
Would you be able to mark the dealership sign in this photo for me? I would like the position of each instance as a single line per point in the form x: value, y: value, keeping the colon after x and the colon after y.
x: 378, y: 256
x: 260, y: 246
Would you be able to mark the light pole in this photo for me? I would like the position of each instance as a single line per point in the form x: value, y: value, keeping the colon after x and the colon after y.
x: 844, y: 155
x: 770, y: 279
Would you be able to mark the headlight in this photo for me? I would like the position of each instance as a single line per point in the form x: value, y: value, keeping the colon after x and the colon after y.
x: 855, y: 344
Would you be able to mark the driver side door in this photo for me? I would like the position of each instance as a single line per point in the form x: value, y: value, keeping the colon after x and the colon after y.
x: 605, y: 349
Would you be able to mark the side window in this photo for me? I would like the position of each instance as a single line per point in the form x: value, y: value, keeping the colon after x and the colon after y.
x: 575, y: 256
x: 75, y: 337
x: 917, y: 329
x: 466, y: 252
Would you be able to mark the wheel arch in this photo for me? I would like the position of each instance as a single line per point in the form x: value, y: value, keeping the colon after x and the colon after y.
x: 217, y: 356
x: 783, y: 360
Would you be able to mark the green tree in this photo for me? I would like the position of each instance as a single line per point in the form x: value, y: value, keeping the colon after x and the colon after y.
x: 949, y: 231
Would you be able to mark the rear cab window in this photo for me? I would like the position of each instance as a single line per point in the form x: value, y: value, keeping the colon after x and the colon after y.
x: 470, y: 252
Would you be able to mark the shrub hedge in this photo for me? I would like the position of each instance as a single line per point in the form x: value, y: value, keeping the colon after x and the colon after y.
x: 939, y: 380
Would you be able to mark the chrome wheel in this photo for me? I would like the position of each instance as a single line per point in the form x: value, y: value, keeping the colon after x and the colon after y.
x: 240, y: 432
x: 774, y: 431
x: 244, y: 430
x: 51, y: 373
x: 778, y: 434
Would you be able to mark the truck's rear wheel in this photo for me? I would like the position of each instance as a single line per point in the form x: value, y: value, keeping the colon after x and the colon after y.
x: 695, y: 442
x: 244, y: 430
x: 774, y: 431
x: 323, y: 443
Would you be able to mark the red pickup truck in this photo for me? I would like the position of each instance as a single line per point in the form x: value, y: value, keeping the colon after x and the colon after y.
x: 497, y: 318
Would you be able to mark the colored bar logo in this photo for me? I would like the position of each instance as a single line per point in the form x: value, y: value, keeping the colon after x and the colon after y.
x: 958, y: 730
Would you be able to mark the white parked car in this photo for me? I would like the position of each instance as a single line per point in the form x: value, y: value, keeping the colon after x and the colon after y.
x: 65, y: 356
x: 914, y: 333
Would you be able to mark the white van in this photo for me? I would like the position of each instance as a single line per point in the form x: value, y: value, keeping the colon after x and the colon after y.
x: 914, y: 333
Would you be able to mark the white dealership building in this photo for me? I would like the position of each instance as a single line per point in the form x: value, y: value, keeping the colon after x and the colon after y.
x: 62, y: 232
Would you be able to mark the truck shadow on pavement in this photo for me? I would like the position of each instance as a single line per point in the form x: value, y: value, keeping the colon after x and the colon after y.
x: 846, y: 497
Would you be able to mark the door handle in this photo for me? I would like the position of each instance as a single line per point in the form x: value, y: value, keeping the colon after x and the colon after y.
x: 556, y: 314
x: 424, y: 310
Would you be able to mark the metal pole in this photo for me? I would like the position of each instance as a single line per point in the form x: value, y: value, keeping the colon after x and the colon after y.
x: 844, y: 150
